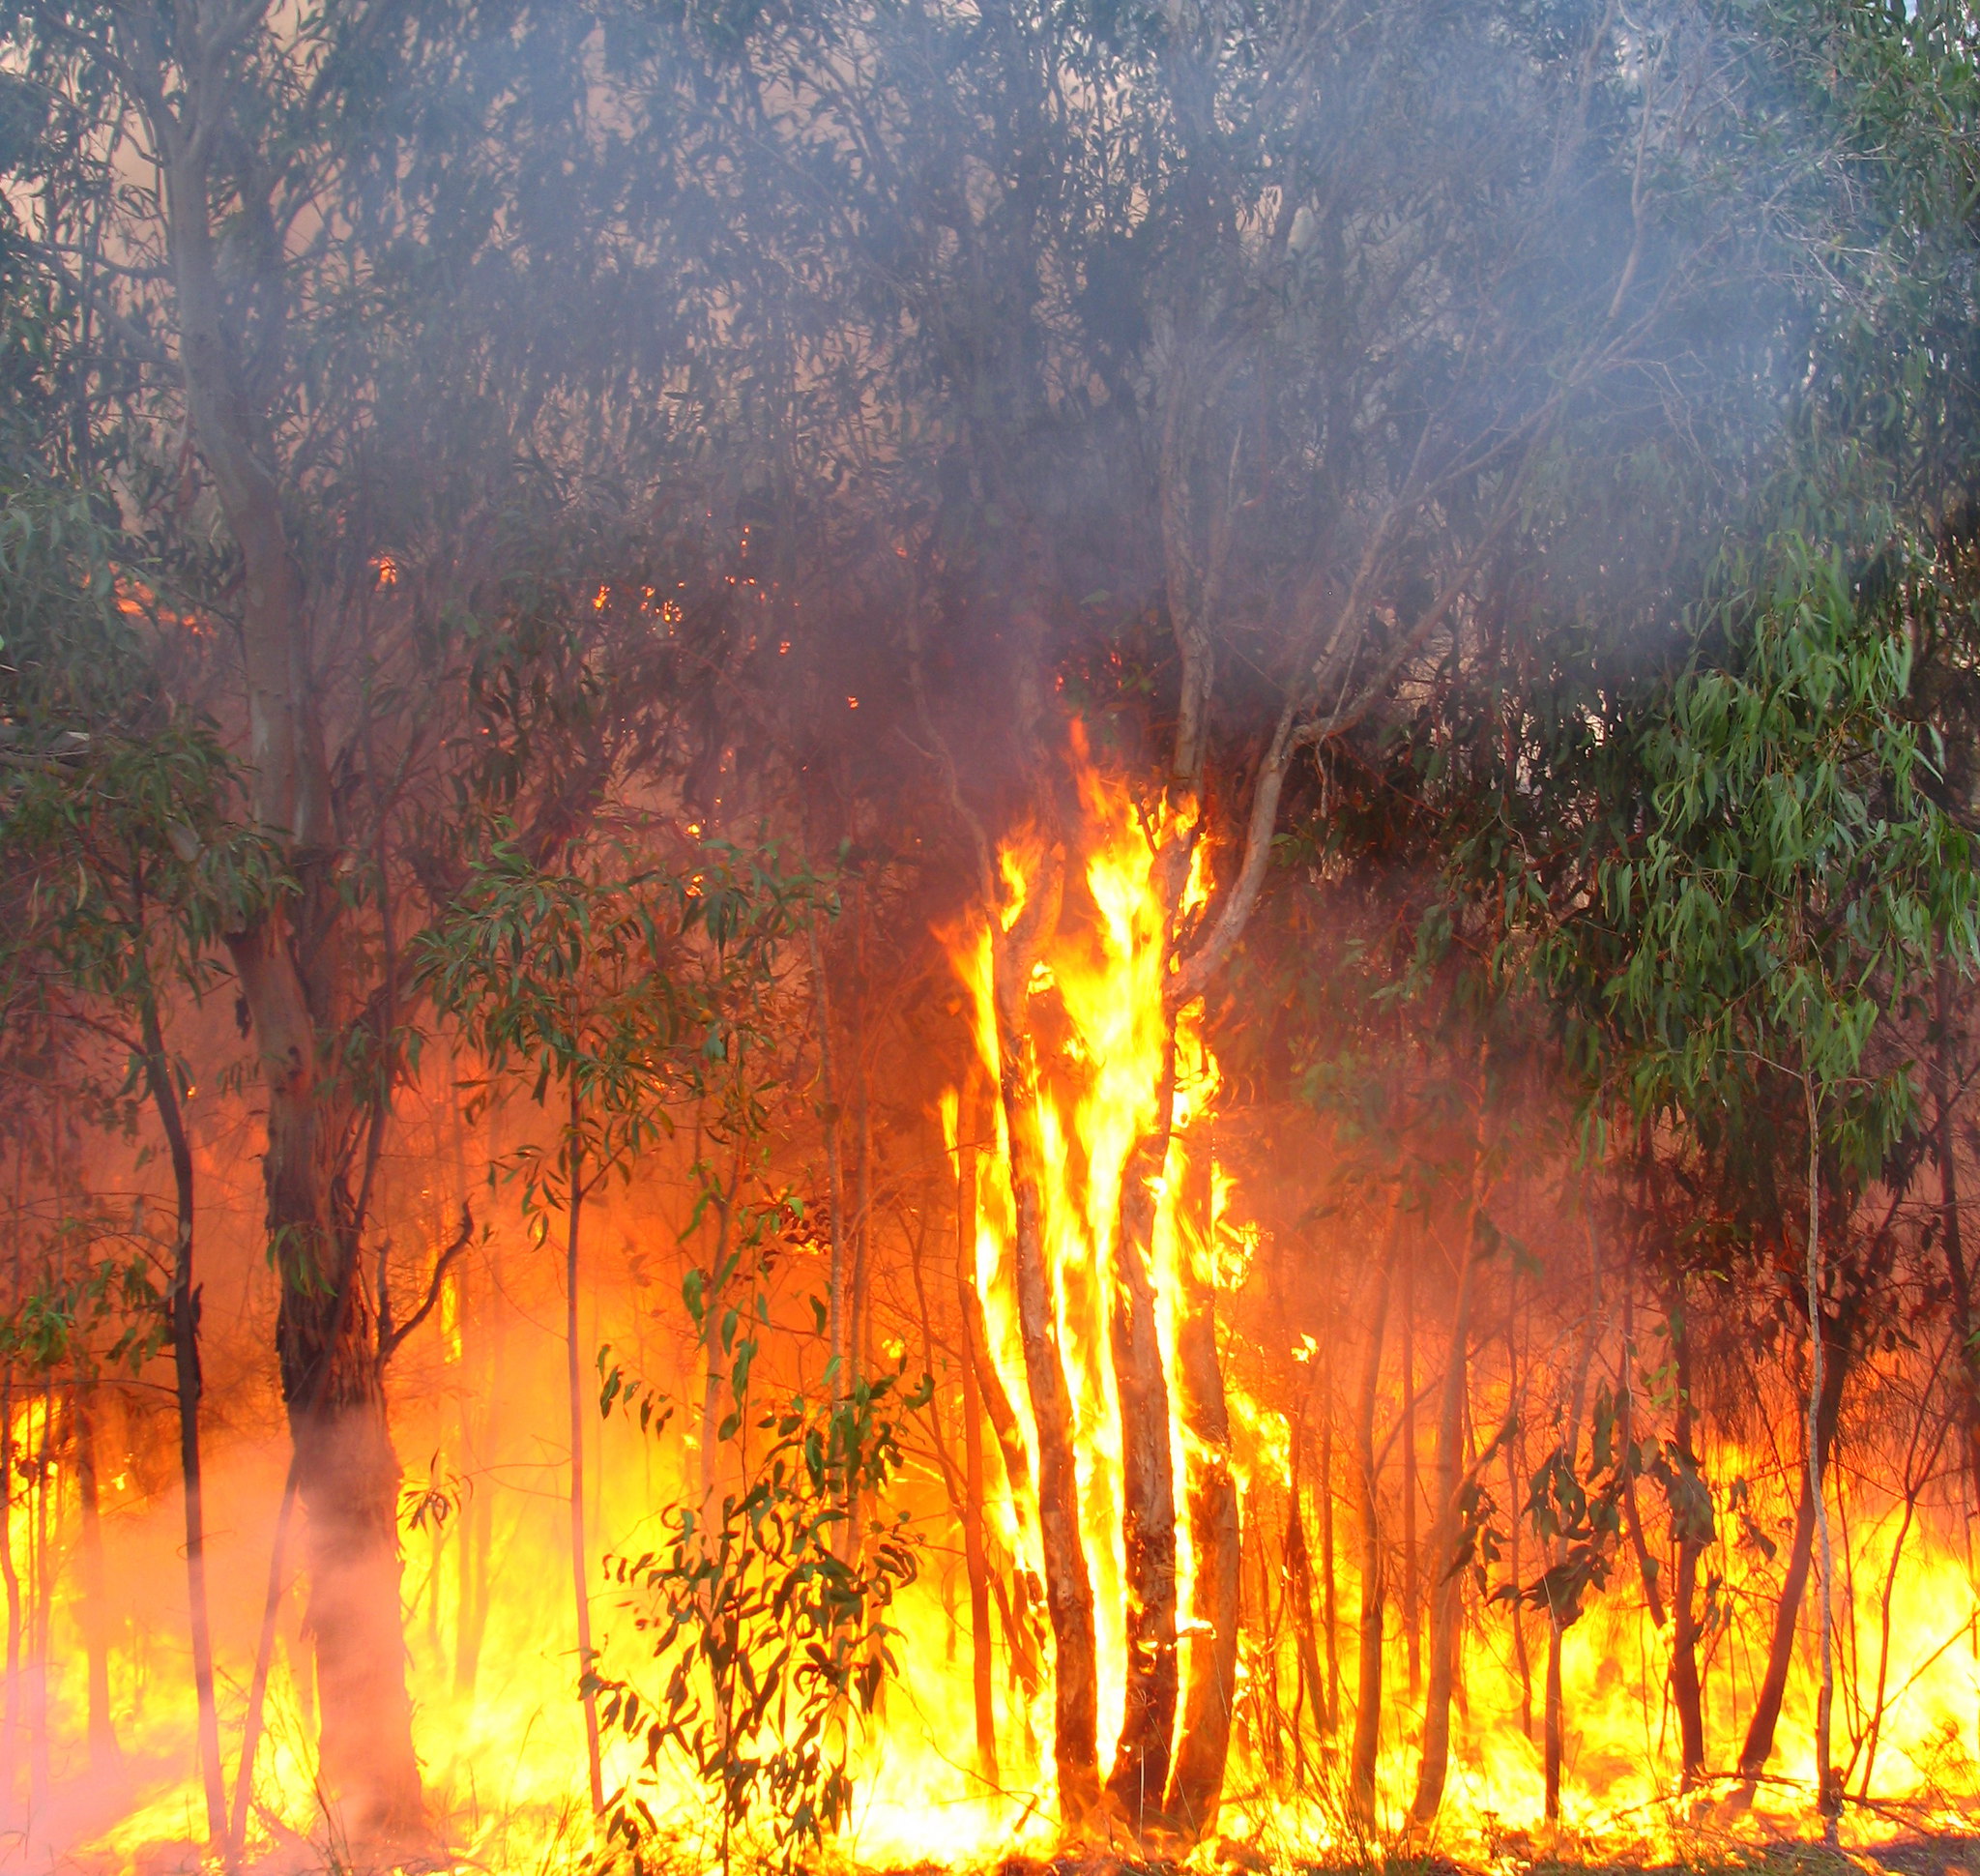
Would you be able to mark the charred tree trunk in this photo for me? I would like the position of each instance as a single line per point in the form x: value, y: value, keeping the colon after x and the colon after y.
x: 1141, y: 1762
x: 1197, y: 1783
x: 1368, y: 1686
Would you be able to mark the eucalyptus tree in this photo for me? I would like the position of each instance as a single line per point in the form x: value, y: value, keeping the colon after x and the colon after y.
x: 585, y: 979
x: 330, y: 366
x: 1242, y: 339
x: 123, y: 867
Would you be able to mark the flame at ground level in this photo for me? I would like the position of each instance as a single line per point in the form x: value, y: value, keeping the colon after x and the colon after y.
x: 488, y: 1616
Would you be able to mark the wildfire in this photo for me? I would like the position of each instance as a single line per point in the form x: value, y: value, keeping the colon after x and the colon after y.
x: 1109, y: 1064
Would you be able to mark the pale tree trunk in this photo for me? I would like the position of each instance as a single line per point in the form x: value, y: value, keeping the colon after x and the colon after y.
x: 1196, y: 1785
x: 1068, y: 1586
x: 295, y: 979
x: 1141, y: 1762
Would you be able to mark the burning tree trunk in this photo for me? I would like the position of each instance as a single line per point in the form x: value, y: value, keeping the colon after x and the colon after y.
x: 975, y: 1562
x: 1197, y: 1783
x: 1069, y: 1588
x: 1141, y: 1762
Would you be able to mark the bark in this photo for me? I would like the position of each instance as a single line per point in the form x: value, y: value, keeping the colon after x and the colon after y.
x: 1196, y: 1784
x: 975, y: 1562
x: 580, y: 1549
x: 1069, y: 1588
x: 1447, y: 1583
x: 1368, y: 1687
x: 1686, y: 1689
x: 1758, y: 1745
x: 1141, y: 1762
x: 294, y: 978
x: 96, y: 1612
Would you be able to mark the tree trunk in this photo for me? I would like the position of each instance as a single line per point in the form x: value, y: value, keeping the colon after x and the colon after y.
x: 297, y: 992
x: 1196, y: 1784
x: 1368, y: 1686
x: 182, y: 1321
x: 1758, y: 1745
x: 580, y: 1549
x: 1944, y: 1151
x: 1141, y: 1762
x: 1685, y: 1687
x: 975, y: 1562
x: 1069, y: 1588
x: 1446, y: 1583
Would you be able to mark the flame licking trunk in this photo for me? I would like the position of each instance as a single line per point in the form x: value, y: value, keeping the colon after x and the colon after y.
x: 1105, y: 1276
